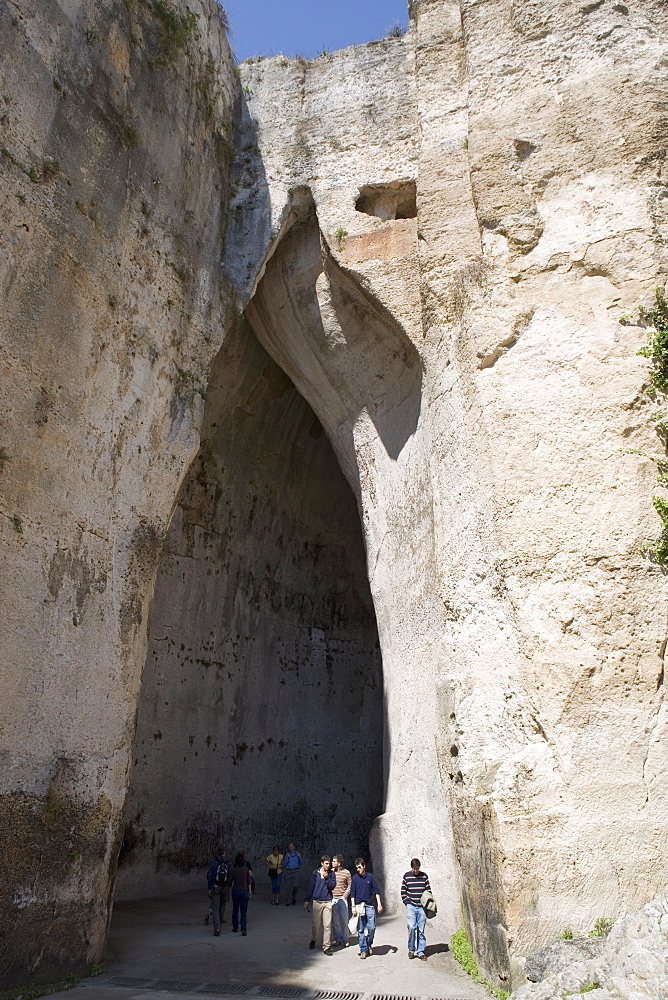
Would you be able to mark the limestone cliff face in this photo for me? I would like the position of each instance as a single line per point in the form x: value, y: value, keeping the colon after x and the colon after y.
x: 115, y: 128
x: 433, y: 237
x: 468, y: 365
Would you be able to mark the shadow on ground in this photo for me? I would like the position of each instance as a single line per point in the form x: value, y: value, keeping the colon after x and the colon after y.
x: 436, y: 949
x: 167, y: 939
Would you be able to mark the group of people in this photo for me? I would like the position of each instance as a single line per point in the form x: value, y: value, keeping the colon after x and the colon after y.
x: 284, y: 869
x: 222, y: 877
x: 331, y: 890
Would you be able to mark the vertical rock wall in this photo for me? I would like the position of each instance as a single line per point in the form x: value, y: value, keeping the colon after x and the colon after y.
x: 115, y: 141
x: 565, y: 137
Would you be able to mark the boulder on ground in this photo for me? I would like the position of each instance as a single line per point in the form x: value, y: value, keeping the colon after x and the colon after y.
x: 631, y: 963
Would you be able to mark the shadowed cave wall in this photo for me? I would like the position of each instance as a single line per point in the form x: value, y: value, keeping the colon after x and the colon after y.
x: 261, y: 714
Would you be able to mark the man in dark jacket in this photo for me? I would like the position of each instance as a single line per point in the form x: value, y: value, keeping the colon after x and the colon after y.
x: 363, y: 891
x: 319, y: 895
x: 216, y: 880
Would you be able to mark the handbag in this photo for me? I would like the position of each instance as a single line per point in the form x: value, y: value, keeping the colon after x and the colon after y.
x: 273, y: 872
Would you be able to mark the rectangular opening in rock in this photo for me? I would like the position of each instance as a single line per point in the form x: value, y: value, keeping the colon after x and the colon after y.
x: 396, y: 200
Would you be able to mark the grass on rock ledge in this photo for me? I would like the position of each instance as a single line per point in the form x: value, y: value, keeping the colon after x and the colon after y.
x: 656, y: 349
x: 32, y: 991
x: 657, y: 345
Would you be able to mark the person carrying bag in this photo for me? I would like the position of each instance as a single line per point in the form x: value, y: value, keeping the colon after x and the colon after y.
x: 417, y: 897
x: 275, y: 873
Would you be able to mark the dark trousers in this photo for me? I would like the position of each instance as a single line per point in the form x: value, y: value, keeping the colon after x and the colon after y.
x: 218, y: 902
x: 239, y: 903
x: 290, y: 884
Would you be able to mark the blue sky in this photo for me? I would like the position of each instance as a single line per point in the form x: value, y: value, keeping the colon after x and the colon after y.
x: 305, y: 27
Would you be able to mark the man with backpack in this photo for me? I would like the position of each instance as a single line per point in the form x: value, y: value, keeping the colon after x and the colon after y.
x: 216, y: 878
x: 292, y: 862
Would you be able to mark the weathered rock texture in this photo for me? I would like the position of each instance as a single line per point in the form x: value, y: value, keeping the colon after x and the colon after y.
x: 462, y: 353
x: 631, y: 962
x: 558, y: 955
x: 115, y: 153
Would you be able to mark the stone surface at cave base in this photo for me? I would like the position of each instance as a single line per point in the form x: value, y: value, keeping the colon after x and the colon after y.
x: 166, y: 939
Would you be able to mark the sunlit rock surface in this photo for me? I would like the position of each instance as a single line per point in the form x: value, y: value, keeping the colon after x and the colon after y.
x: 631, y: 962
x: 433, y: 237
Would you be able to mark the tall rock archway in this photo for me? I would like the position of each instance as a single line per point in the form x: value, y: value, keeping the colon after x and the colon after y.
x: 363, y: 375
x: 262, y: 712
x: 495, y: 600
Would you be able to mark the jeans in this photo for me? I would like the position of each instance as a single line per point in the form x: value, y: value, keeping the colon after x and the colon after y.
x: 276, y: 885
x: 340, y: 920
x: 239, y: 903
x: 218, y: 904
x: 416, y: 919
x: 366, y: 923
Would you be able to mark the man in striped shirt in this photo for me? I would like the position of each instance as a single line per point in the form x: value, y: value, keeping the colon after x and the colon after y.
x: 340, y: 904
x: 413, y: 885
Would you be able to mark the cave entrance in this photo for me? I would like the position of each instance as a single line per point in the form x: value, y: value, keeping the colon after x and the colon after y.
x: 261, y: 712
